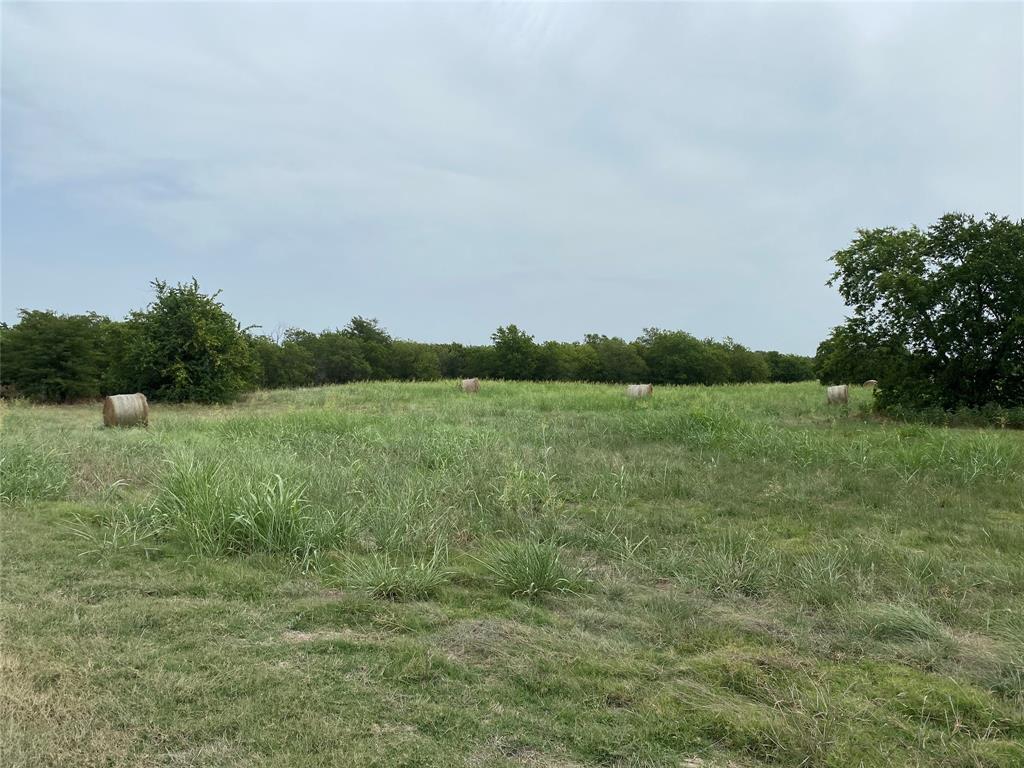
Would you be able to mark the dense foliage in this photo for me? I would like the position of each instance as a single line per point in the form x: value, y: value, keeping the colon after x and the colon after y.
x: 55, y: 358
x: 186, y: 347
x: 937, y: 315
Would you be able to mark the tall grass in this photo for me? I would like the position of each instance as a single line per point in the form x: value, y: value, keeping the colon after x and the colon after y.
x: 219, y: 509
x: 392, y: 577
x: 745, y: 564
x: 899, y: 623
x: 31, y: 472
x: 763, y: 573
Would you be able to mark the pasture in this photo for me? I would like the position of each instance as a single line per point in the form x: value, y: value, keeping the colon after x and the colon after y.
x: 532, y: 575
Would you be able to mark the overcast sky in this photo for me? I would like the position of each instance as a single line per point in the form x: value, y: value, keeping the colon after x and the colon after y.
x: 570, y: 168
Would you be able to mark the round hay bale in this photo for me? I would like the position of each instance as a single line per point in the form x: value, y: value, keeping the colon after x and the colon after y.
x: 639, y: 390
x: 871, y: 383
x: 838, y: 395
x: 471, y: 385
x: 126, y: 410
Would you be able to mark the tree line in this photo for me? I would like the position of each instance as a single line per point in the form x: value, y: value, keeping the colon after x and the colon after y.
x: 185, y: 346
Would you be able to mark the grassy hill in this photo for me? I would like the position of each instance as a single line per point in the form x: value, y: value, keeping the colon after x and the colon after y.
x: 536, y: 575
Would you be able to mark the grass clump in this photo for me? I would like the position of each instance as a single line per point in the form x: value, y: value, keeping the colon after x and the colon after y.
x: 900, y: 623
x: 116, y: 530
x: 388, y: 577
x: 823, y: 576
x: 218, y: 509
x: 29, y: 473
x: 746, y: 565
x: 530, y: 569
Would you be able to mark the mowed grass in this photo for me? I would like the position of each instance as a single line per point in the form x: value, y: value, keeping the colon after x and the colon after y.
x: 537, y: 575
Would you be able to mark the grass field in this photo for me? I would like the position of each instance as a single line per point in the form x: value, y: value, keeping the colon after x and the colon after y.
x: 537, y: 575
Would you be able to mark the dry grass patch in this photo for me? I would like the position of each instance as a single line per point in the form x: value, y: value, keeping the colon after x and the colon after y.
x: 46, y: 721
x: 297, y: 637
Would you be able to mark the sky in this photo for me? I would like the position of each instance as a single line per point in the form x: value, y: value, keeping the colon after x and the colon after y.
x: 449, y: 168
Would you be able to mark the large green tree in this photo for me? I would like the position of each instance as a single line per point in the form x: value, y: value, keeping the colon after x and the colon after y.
x: 375, y: 345
x: 337, y: 357
x: 515, y: 353
x: 186, y: 347
x: 285, y: 362
x: 744, y: 364
x: 939, y: 312
x: 788, y: 368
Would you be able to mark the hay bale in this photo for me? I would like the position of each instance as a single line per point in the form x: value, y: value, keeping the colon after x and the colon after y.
x: 871, y: 383
x: 838, y: 395
x: 471, y: 385
x: 126, y: 410
x: 639, y: 390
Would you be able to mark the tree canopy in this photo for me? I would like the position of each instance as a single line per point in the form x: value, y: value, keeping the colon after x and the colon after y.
x: 186, y: 347
x: 937, y: 314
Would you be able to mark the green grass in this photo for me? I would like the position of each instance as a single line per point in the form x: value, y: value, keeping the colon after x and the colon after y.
x: 530, y: 569
x: 539, y: 575
x: 389, y: 577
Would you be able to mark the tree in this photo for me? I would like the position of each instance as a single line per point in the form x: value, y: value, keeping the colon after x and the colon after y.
x: 515, y: 353
x: 618, y: 361
x: 788, y: 368
x: 414, y: 362
x: 744, y: 365
x: 54, y: 358
x: 940, y: 311
x: 375, y: 344
x: 337, y: 358
x: 186, y: 347
x: 851, y: 354
x: 675, y: 357
x: 287, y: 363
